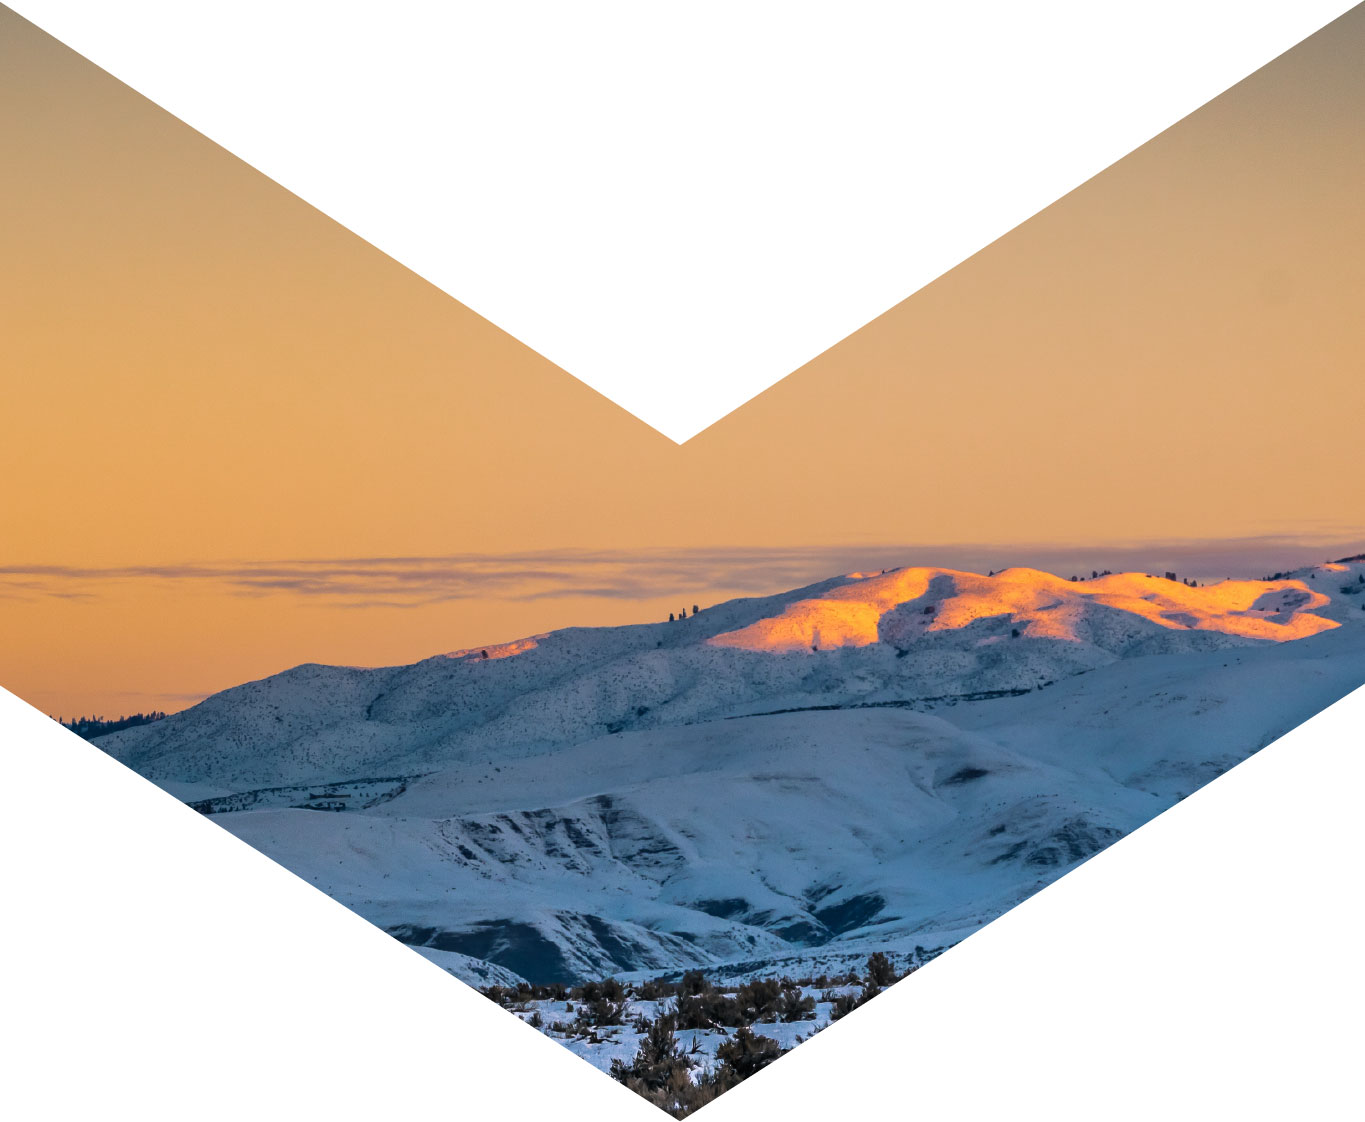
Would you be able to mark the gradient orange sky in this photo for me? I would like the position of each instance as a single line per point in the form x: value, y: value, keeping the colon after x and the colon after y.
x: 211, y: 389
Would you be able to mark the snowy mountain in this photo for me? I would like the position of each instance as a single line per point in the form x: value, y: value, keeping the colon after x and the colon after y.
x: 876, y: 761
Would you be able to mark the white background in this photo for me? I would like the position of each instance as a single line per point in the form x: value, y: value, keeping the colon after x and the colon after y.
x: 680, y: 203
x: 1206, y: 966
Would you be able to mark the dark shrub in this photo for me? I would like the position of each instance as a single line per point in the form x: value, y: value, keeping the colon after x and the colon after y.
x: 744, y: 1054
x: 845, y: 1005
x: 609, y: 989
x: 880, y: 972
x: 708, y: 1010
x: 694, y: 981
x: 601, y: 1013
x: 661, y: 1074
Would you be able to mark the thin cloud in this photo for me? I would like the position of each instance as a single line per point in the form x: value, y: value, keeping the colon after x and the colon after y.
x: 414, y: 582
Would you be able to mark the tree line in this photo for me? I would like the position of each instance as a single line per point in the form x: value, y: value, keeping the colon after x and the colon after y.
x: 91, y: 727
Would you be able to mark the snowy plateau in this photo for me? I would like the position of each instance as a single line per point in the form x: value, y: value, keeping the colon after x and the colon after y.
x: 776, y: 786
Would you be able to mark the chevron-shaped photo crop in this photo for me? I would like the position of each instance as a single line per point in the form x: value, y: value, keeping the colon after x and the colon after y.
x: 683, y: 753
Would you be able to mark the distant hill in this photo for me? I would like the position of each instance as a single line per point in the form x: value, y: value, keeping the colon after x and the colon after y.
x: 908, y: 636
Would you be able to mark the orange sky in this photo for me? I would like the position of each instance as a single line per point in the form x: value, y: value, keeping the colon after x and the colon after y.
x: 205, y: 376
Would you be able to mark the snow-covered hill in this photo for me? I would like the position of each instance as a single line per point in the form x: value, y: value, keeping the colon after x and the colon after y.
x: 876, y: 761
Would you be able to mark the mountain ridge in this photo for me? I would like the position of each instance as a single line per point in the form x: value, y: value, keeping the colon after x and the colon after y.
x: 315, y: 723
x: 647, y: 799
